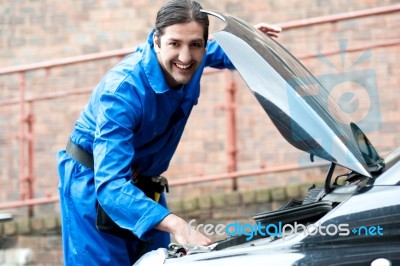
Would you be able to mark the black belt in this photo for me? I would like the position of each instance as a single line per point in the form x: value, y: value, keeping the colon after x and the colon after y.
x: 148, y: 184
x: 80, y: 155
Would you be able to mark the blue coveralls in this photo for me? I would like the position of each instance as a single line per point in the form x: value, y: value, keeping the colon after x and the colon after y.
x: 133, y: 120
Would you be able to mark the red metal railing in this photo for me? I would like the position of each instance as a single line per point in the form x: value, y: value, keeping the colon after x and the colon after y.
x: 339, y: 17
x: 27, y: 176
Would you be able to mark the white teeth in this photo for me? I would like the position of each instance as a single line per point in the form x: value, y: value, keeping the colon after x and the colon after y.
x: 183, y: 66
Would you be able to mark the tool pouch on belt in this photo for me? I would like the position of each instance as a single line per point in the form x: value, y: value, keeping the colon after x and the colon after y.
x: 151, y: 186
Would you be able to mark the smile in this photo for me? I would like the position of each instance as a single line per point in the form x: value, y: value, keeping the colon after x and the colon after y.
x: 183, y: 66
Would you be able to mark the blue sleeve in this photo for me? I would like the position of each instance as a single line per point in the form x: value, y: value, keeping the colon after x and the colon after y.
x: 216, y: 57
x: 119, y: 114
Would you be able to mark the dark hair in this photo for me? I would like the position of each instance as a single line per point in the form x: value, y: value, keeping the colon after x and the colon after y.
x: 180, y: 11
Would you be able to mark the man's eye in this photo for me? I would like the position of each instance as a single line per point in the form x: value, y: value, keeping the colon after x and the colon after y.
x: 173, y: 44
x: 197, y: 45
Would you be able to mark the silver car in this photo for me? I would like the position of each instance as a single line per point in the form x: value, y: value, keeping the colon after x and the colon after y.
x: 355, y: 216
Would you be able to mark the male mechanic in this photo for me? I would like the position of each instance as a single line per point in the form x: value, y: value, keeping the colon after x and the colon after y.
x: 125, y: 138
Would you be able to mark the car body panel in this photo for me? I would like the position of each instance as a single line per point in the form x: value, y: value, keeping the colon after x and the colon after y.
x: 369, y: 207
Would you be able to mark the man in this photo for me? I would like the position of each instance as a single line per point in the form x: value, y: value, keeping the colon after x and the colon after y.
x: 127, y: 134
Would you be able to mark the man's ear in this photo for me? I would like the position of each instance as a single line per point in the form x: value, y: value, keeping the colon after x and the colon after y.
x: 156, y: 42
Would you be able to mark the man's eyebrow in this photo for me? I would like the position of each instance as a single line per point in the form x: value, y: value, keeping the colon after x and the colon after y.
x: 179, y: 40
x: 173, y: 40
x: 198, y: 40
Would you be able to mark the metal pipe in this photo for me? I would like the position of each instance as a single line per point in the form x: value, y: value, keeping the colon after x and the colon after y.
x: 67, y: 61
x: 238, y: 174
x: 50, y: 96
x: 21, y: 136
x: 28, y: 202
x: 184, y: 181
x: 339, y: 17
x: 353, y: 49
x: 230, y: 114
x: 31, y: 157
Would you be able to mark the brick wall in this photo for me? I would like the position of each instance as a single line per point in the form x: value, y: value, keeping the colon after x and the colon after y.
x: 71, y: 28
x: 34, y: 31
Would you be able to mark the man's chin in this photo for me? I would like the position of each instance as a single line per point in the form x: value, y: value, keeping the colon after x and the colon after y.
x: 183, y: 80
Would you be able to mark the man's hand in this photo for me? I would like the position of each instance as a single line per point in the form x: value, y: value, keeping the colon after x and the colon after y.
x: 182, y: 232
x: 267, y: 29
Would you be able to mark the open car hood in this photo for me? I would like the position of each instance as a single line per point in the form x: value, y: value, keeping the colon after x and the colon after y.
x: 296, y: 102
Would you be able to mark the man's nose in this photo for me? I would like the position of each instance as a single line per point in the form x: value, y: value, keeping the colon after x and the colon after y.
x: 185, y: 55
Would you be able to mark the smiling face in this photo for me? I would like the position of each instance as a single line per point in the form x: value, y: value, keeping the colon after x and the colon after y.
x: 180, y: 50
